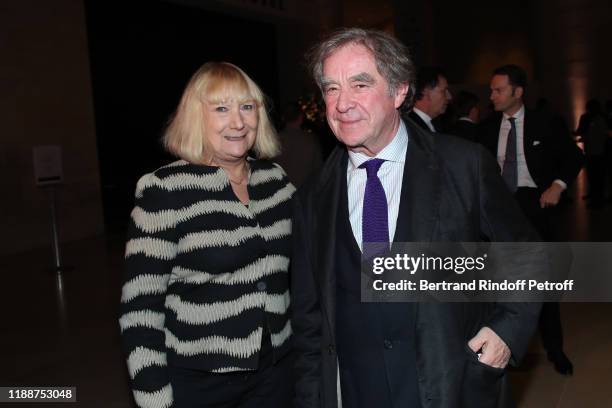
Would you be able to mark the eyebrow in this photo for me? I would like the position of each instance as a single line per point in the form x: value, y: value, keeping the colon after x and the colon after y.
x: 325, y: 82
x: 363, y: 77
x: 226, y: 101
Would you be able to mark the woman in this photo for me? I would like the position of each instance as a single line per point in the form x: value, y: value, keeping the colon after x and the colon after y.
x: 204, y: 317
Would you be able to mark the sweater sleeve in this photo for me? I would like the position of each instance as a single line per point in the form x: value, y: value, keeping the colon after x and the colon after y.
x: 150, y: 250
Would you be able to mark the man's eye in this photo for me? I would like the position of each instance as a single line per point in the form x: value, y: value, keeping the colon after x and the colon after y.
x: 360, y: 86
x: 331, y: 90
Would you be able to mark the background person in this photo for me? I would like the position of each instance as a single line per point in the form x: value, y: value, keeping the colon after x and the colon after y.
x: 467, y: 113
x: 593, y: 129
x: 431, y: 97
x: 538, y: 161
x: 300, y: 153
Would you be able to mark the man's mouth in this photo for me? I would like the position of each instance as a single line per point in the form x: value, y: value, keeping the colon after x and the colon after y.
x: 345, y: 122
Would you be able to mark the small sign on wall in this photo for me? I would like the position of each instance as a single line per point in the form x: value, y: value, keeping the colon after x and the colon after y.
x: 48, y: 165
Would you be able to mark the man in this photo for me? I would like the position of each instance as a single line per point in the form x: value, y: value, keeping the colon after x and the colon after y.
x: 301, y: 153
x: 394, y: 354
x: 468, y: 114
x: 538, y: 162
x: 431, y: 97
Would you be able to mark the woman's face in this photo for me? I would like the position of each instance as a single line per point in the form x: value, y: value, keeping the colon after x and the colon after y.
x: 231, y: 129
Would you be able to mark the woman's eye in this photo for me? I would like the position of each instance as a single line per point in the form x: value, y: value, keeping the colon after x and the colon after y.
x: 248, y: 106
x: 221, y: 109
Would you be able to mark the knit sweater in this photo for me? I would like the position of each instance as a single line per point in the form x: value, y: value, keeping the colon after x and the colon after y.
x: 204, y: 274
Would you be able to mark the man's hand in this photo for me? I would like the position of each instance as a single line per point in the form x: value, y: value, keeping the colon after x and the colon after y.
x: 495, y: 352
x: 551, y: 196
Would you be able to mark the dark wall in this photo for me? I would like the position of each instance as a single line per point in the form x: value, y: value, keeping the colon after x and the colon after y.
x: 142, y: 55
x: 563, y: 45
x: 45, y: 99
x: 469, y: 39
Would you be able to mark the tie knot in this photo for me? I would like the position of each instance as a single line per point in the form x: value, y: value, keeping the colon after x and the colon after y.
x: 511, y: 120
x: 372, y: 166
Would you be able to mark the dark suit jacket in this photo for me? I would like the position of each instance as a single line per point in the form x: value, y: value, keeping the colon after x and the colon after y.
x: 550, y: 153
x: 451, y: 192
x: 417, y: 119
x: 465, y: 129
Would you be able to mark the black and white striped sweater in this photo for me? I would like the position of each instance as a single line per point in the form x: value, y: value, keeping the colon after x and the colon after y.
x: 204, y: 273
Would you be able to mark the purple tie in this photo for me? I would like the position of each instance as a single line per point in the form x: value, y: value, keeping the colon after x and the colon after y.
x: 374, y: 223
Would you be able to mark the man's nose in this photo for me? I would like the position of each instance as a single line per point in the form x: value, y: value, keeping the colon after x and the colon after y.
x: 345, y: 101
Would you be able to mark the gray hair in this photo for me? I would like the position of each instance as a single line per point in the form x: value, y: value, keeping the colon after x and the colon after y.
x: 392, y: 57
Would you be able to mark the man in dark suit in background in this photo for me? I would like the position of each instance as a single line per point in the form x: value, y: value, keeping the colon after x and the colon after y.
x: 391, y: 181
x: 431, y: 97
x: 538, y: 162
x: 467, y: 113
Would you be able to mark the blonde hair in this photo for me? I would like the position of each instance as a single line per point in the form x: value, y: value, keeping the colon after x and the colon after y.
x: 215, y: 82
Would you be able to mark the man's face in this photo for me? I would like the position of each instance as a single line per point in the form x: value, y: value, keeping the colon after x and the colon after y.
x: 359, y: 109
x: 505, y: 98
x: 439, y: 97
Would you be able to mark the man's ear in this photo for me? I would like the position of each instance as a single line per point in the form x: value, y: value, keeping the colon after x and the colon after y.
x: 518, y: 91
x: 400, y: 94
x: 474, y: 112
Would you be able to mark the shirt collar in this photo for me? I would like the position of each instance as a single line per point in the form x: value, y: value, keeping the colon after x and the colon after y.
x: 393, y: 152
x: 518, y: 115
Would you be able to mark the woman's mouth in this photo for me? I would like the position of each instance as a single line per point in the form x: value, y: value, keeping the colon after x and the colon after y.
x: 234, y: 138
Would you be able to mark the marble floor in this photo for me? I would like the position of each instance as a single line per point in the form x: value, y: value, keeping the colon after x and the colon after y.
x: 63, y: 331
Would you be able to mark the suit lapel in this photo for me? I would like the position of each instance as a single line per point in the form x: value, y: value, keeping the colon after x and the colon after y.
x: 420, y: 195
x: 491, y: 134
x: 528, y: 136
x: 327, y: 202
x: 496, y: 130
x: 417, y: 120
